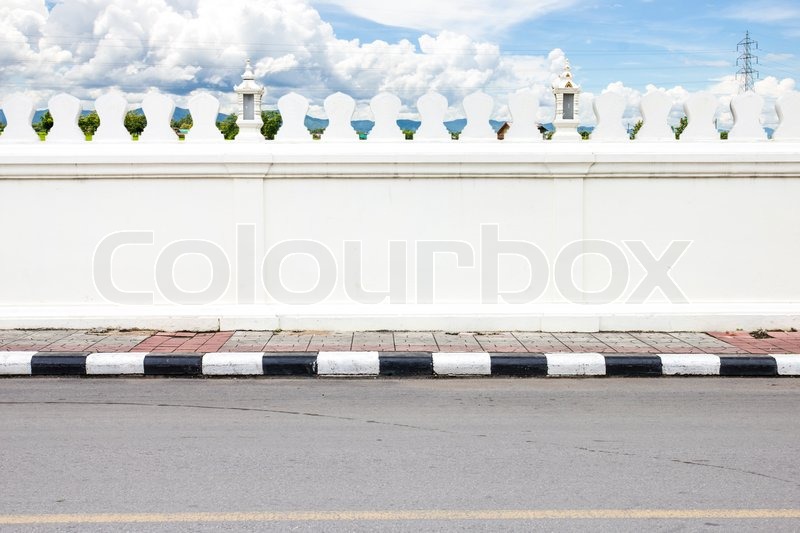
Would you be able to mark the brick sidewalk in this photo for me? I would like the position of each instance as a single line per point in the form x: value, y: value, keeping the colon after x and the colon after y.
x: 728, y: 343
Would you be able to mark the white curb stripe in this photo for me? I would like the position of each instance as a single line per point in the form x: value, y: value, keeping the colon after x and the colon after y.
x: 233, y: 364
x: 368, y: 364
x: 348, y: 364
x: 788, y: 364
x: 462, y: 364
x: 107, y: 364
x: 16, y: 363
x: 575, y: 364
x: 689, y: 365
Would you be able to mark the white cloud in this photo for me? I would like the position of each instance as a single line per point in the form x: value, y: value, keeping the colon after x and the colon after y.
x: 725, y: 89
x: 766, y: 12
x: 473, y: 17
x: 633, y: 99
x: 22, y: 22
x: 770, y: 88
x: 180, y: 46
x: 778, y: 57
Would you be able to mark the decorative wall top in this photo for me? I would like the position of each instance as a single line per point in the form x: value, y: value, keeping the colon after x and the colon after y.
x: 700, y: 110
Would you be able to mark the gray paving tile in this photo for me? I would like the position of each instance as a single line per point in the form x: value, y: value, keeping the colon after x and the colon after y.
x: 331, y: 341
x: 624, y: 343
x: 7, y: 336
x: 288, y: 342
x: 373, y: 341
x: 459, y: 342
x: 500, y: 342
x: 699, y: 339
x: 539, y: 342
x: 424, y: 341
x: 247, y: 341
x: 583, y: 342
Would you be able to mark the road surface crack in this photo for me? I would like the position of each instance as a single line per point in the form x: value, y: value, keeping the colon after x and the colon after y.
x: 691, y: 463
x: 232, y: 408
x: 740, y: 470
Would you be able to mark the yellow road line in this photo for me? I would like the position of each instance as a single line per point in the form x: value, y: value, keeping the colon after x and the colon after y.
x: 345, y: 516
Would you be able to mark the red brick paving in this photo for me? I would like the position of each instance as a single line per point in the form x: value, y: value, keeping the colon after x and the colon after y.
x: 777, y: 342
x: 165, y: 342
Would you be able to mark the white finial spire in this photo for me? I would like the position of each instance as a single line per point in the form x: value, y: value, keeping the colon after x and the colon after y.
x: 567, y: 94
x: 565, y: 80
x: 249, y: 94
x: 248, y: 71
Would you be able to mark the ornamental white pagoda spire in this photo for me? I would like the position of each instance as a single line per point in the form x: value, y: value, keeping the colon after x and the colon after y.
x: 249, y: 115
x: 567, y: 94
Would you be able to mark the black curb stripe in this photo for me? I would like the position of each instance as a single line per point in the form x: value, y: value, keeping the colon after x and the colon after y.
x: 290, y: 364
x: 748, y: 366
x: 634, y: 365
x: 405, y: 364
x: 518, y: 365
x: 58, y: 364
x: 399, y: 364
x: 173, y: 365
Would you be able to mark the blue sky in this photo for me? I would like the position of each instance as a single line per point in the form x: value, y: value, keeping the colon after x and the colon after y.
x: 667, y: 43
x: 316, y: 47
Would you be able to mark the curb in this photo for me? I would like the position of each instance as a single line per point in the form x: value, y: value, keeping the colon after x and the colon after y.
x: 393, y: 364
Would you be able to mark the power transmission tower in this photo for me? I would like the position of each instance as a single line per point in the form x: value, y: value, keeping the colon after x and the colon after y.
x: 747, y: 75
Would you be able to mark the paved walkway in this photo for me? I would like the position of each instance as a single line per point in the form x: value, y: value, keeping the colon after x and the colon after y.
x: 720, y: 343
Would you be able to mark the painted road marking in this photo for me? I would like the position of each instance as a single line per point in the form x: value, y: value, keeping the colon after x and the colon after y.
x: 354, y: 516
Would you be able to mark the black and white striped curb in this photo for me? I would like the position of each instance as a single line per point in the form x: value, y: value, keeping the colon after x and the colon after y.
x: 396, y: 364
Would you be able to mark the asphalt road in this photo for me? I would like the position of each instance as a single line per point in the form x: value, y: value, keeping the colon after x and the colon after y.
x: 400, y: 455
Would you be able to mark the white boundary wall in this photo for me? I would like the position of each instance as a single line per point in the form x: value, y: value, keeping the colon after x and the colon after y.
x: 736, y: 203
x: 339, y: 234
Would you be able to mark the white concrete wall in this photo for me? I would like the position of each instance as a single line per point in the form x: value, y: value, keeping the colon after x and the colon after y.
x: 734, y: 203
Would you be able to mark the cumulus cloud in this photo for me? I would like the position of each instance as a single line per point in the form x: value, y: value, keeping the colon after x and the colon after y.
x: 770, y: 88
x: 23, y: 21
x: 725, y: 89
x: 472, y: 17
x: 86, y: 47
